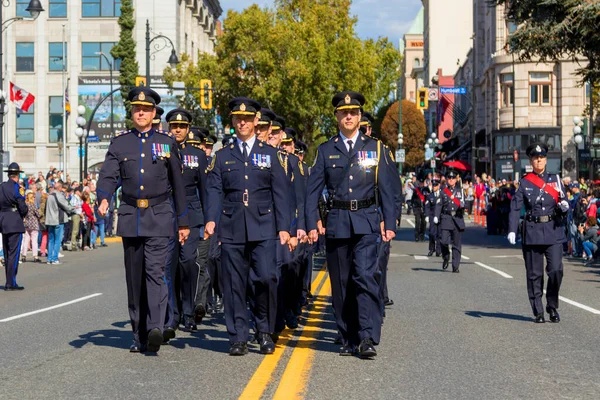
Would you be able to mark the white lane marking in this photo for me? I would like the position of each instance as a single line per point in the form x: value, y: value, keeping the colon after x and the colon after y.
x: 393, y: 255
x: 421, y: 258
x: 576, y: 304
x: 513, y: 256
x: 50, y: 308
x: 410, y: 221
x: 465, y: 257
x: 503, y: 274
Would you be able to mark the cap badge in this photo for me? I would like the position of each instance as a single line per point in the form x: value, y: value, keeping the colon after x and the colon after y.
x: 258, y: 115
x: 347, y: 99
x: 538, y: 148
x: 243, y: 107
x: 190, y: 135
x: 179, y: 118
x: 142, y: 96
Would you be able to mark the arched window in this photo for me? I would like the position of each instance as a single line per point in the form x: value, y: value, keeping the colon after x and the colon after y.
x: 417, y: 63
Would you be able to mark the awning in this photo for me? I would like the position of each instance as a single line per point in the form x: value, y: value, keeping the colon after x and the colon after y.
x: 459, y: 150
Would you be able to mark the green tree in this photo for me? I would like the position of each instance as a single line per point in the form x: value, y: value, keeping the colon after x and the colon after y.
x: 413, y: 130
x: 125, y: 51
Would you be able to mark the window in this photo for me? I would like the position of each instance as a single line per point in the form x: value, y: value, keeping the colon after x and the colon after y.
x: 56, y: 119
x: 508, y: 90
x: 57, y: 9
x: 417, y: 63
x: 55, y: 56
x: 90, y: 61
x: 22, y: 8
x: 511, y: 27
x: 25, y: 58
x: 25, y: 123
x: 101, y: 8
x: 540, y: 88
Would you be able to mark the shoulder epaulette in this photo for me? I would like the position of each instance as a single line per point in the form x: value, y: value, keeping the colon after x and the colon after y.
x: 122, y: 133
x: 166, y: 133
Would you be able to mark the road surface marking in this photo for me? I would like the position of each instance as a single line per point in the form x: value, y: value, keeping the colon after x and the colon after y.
x: 50, y: 308
x: 421, y: 258
x: 465, y: 257
x: 576, y: 304
x: 410, y: 221
x: 297, y: 373
x: 263, y: 375
x: 393, y: 255
x: 513, y: 256
x: 503, y: 274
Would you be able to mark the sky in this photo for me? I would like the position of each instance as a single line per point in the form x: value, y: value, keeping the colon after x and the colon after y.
x: 391, y: 18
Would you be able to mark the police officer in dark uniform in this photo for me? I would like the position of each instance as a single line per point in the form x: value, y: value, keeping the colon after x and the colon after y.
x: 182, y: 264
x: 449, y: 216
x: 156, y: 122
x: 354, y: 169
x: 543, y: 232
x: 12, y: 211
x: 432, y: 199
x: 418, y: 204
x: 147, y: 165
x: 247, y: 193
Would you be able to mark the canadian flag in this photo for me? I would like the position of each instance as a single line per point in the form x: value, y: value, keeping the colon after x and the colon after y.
x: 20, y: 97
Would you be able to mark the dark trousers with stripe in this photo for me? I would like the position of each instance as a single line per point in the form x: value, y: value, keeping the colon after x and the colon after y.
x: 146, y: 286
x: 11, y: 244
x: 452, y: 237
x: 247, y: 264
x: 534, y: 265
x: 383, y: 259
x: 434, y: 238
x: 352, y: 265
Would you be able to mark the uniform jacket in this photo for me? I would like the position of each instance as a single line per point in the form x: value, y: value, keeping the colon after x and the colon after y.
x: 58, y: 209
x: 12, y: 208
x: 446, y: 210
x: 299, y: 191
x: 146, y: 166
x: 396, y: 182
x: 418, y: 205
x: 351, y: 177
x: 250, y: 196
x: 433, y: 199
x: 538, y: 203
x: 194, y: 164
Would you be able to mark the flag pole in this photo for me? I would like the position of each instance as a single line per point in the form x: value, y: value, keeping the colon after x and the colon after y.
x: 64, y: 123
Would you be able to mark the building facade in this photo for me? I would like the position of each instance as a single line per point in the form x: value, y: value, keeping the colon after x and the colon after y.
x: 413, y: 59
x: 64, y: 50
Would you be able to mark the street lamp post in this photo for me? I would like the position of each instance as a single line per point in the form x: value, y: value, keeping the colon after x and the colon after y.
x: 112, y: 117
x: 34, y: 8
x: 173, y: 60
x: 81, y: 133
x: 577, y: 138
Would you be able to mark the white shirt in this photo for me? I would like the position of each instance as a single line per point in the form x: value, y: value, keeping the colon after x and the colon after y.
x: 354, y: 139
x: 250, y: 143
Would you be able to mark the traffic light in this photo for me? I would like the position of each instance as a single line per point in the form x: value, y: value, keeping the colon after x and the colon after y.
x: 232, y: 131
x: 422, y: 100
x: 206, y: 94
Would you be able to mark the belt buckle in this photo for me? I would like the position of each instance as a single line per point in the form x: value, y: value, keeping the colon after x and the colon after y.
x: 245, y: 198
x: 544, y: 218
x: 353, y: 205
x: 142, y: 203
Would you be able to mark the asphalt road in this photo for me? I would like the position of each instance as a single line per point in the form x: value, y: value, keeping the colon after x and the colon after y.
x: 448, y: 336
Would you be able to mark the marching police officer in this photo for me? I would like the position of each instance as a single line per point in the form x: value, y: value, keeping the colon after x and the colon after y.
x: 247, y: 193
x: 543, y: 232
x: 146, y: 164
x: 418, y: 204
x: 265, y: 124
x: 12, y: 211
x: 156, y: 122
x: 181, y: 265
x: 354, y: 169
x: 432, y: 199
x: 449, y: 216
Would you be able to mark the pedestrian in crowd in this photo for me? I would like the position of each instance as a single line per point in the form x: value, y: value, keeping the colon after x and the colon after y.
x: 88, y: 220
x: 43, y: 235
x: 57, y: 214
x: 32, y: 228
x: 418, y: 205
x: 589, y: 237
x: 12, y: 211
x: 545, y: 201
x: 469, y: 197
x: 76, y: 202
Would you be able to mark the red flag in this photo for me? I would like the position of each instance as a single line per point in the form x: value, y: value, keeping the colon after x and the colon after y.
x: 20, y: 97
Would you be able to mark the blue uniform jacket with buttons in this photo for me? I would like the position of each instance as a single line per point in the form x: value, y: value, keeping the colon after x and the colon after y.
x: 538, y: 203
x: 366, y: 164
x: 395, y: 181
x: 430, y: 204
x: 250, y: 196
x: 299, y: 187
x: 148, y: 168
x: 446, y: 209
x: 12, y: 208
x: 193, y: 160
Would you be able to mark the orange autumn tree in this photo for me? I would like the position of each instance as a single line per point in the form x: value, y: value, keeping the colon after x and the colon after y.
x: 413, y: 129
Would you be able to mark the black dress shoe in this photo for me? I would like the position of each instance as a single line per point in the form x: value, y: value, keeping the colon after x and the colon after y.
x: 238, y: 349
x: 445, y: 264
x: 135, y: 347
x: 338, y: 339
x: 190, y: 324
x: 389, y: 302
x: 155, y: 339
x: 13, y: 288
x: 455, y: 271
x: 168, y: 334
x: 539, y: 319
x: 266, y: 343
x: 366, y: 349
x: 199, y: 313
x: 275, y: 337
x: 291, y: 320
x: 554, y: 317
x: 430, y: 253
x: 347, y: 350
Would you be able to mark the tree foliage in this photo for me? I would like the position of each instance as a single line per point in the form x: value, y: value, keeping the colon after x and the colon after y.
x: 125, y: 50
x: 293, y: 58
x: 413, y: 131
x: 549, y: 30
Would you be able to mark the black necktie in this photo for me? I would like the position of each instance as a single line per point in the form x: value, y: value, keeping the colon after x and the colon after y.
x: 350, y: 147
x: 245, y: 146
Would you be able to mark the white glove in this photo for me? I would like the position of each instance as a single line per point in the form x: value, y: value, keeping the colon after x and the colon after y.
x: 564, y: 206
x: 427, y: 219
x: 435, y: 220
x: 512, y: 238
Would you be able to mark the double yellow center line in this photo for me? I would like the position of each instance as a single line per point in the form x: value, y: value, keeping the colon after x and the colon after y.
x: 297, y: 371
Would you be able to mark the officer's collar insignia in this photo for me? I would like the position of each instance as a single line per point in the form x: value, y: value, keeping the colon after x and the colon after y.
x: 231, y: 146
x: 242, y: 107
x: 142, y: 96
x: 538, y: 148
x: 179, y: 118
x: 258, y: 115
x: 336, y: 140
x: 347, y: 99
x: 260, y: 144
x: 363, y: 138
